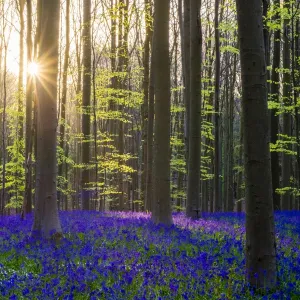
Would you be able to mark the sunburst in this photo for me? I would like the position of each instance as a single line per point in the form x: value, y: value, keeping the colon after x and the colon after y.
x: 33, y: 68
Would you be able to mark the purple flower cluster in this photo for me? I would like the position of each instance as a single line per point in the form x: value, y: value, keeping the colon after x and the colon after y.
x: 120, y: 255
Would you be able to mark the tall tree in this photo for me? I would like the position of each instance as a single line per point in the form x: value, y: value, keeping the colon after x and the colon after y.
x: 295, y: 79
x: 46, y: 220
x: 3, y: 124
x: 162, y: 207
x: 27, y: 202
x: 275, y: 97
x: 286, y: 95
x: 62, y: 128
x: 144, y: 109
x: 122, y: 67
x: 78, y: 55
x: 260, y: 237
x: 230, y: 185
x: 86, y: 101
x: 217, y: 169
x: 193, y: 188
x: 150, y: 129
x: 186, y: 69
x: 37, y: 39
x: 240, y: 180
x: 21, y: 69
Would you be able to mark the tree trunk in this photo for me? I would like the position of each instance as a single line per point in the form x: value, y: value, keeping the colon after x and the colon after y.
x: 35, y: 116
x: 239, y: 189
x: 122, y: 67
x: 78, y: 144
x: 287, y: 122
x: 230, y: 186
x: 217, y: 156
x: 27, y: 202
x: 95, y: 129
x: 274, y: 119
x: 46, y: 220
x: 21, y: 70
x: 144, y: 109
x: 62, y: 128
x: 186, y: 70
x: 162, y: 206
x: 86, y: 102
x: 150, y: 129
x: 260, y: 235
x: 295, y: 77
x: 193, y: 207
x: 3, y: 125
x: 66, y: 176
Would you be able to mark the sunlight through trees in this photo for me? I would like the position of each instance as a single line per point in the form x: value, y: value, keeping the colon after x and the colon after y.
x: 168, y: 108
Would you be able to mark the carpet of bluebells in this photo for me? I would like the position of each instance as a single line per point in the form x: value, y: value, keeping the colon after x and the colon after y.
x: 124, y: 256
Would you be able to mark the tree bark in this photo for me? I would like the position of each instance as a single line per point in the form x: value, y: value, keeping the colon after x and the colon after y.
x: 186, y: 69
x: 3, y: 125
x: 217, y: 158
x: 144, y: 109
x: 162, y: 206
x: 295, y: 78
x: 150, y: 130
x: 78, y: 144
x: 62, y: 128
x: 27, y: 202
x: 274, y: 119
x: 46, y: 220
x: 21, y: 70
x: 240, y: 173
x: 230, y: 181
x: 35, y: 116
x: 193, y: 207
x: 260, y: 235
x: 287, y: 122
x: 86, y: 102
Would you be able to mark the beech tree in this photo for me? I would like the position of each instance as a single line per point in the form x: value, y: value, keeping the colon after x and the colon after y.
x: 217, y: 191
x: 27, y: 202
x: 63, y: 122
x: 186, y: 41
x: 46, y: 220
x: 193, y: 189
x: 21, y: 5
x: 150, y: 129
x: 287, y: 120
x: 260, y: 236
x: 275, y: 97
x: 86, y: 101
x: 144, y: 108
x: 161, y: 198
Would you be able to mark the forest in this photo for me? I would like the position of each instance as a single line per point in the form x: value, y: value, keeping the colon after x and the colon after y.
x: 149, y: 149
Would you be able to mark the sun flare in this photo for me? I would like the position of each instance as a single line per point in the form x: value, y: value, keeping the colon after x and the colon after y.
x: 33, y: 69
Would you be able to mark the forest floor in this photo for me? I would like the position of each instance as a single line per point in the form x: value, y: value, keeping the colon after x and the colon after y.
x: 124, y: 256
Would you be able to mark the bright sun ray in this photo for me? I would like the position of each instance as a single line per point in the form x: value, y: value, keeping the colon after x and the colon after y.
x: 33, y: 69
